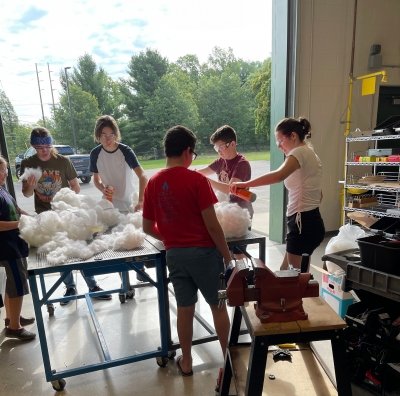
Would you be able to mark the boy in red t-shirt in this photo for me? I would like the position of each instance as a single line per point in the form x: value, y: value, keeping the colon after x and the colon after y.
x: 179, y: 210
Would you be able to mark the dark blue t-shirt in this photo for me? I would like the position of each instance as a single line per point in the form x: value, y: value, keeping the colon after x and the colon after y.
x: 12, y: 245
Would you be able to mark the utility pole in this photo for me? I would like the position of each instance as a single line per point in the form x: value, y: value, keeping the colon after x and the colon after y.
x: 70, y: 108
x: 40, y: 94
x: 51, y: 86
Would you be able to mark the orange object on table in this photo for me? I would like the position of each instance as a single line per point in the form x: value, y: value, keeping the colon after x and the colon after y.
x: 108, y: 193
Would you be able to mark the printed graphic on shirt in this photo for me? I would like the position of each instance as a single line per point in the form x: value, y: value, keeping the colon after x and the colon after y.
x: 224, y: 176
x: 167, y: 203
x: 48, y: 185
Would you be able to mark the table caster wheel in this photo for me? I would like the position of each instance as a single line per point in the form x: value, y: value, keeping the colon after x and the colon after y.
x: 50, y: 309
x: 58, y: 385
x: 131, y: 293
x: 171, y: 354
x: 162, y: 361
x: 122, y: 297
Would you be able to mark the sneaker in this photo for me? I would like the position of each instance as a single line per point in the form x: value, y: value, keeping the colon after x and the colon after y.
x: 20, y: 334
x: 101, y: 296
x: 71, y: 291
x: 22, y: 320
x: 140, y: 277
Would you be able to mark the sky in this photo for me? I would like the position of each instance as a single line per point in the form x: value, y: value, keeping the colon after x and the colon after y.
x: 53, y: 34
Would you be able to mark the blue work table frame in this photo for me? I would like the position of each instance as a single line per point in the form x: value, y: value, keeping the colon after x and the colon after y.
x: 103, y: 263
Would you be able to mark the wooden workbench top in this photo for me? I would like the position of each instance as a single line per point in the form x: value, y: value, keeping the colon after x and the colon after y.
x: 320, y: 317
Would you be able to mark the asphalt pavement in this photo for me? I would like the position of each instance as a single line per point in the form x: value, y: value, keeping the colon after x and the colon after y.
x: 261, y: 205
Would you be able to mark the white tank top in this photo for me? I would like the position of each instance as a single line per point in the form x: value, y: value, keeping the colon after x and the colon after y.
x: 304, y: 184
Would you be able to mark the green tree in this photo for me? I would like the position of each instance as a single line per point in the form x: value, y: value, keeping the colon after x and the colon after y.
x: 84, y: 111
x: 16, y: 135
x: 222, y: 100
x: 171, y: 104
x: 94, y: 80
x: 145, y: 71
x: 190, y: 65
x: 260, y: 82
x: 222, y: 60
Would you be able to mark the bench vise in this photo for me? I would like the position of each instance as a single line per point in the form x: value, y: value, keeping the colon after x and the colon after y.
x: 278, y: 295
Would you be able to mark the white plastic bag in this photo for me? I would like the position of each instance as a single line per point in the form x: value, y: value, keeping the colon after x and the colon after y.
x: 346, y: 239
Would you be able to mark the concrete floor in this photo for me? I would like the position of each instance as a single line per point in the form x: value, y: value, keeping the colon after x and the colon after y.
x: 72, y: 343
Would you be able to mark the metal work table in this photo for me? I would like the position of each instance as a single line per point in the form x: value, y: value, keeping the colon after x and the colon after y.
x: 151, y: 254
x: 103, y: 263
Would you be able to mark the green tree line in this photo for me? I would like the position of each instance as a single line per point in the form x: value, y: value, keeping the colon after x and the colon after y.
x: 155, y: 95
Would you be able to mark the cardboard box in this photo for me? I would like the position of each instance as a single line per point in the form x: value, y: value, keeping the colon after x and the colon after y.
x: 332, y: 292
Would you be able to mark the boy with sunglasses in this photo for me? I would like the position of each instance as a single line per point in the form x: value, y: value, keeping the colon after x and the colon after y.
x: 57, y: 172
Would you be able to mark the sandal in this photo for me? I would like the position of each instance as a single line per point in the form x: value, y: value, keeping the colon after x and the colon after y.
x: 183, y: 373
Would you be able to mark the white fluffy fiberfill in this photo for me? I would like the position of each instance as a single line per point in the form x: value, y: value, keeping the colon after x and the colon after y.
x: 235, y: 221
x: 37, y: 172
x: 222, y: 197
x: 70, y: 229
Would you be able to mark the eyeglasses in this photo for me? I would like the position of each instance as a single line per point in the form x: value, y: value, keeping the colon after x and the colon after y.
x: 221, y: 147
x: 194, y: 155
x: 42, y: 148
x: 107, y: 135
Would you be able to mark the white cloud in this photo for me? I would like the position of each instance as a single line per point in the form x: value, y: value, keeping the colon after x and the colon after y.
x: 58, y: 33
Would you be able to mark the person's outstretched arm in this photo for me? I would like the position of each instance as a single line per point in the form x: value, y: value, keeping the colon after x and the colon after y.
x: 286, y: 169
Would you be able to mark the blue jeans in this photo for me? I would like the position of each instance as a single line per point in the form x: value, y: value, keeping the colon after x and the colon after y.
x: 90, y: 281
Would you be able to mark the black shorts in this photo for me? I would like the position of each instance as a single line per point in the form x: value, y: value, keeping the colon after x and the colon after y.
x: 305, y: 235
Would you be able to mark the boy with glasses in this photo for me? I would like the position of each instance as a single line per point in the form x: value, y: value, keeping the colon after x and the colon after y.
x: 57, y: 172
x: 230, y: 167
x: 115, y: 166
x: 179, y: 210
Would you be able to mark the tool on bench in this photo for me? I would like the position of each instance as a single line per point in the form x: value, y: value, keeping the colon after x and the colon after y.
x: 282, y: 354
x: 278, y: 295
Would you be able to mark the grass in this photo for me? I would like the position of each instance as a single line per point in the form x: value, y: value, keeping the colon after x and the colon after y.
x: 206, y: 159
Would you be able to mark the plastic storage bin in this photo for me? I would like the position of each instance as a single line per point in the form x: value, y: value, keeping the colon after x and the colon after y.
x: 380, y: 253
